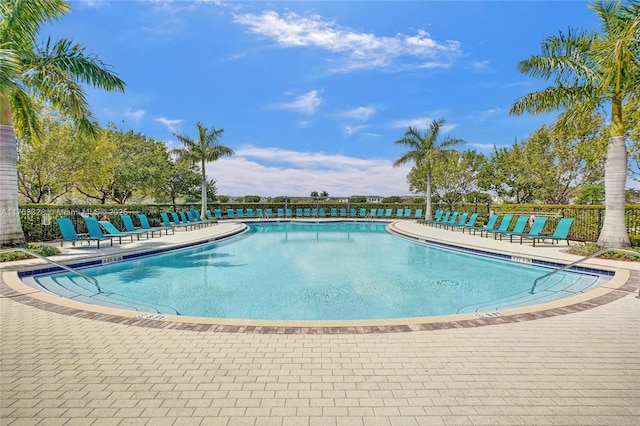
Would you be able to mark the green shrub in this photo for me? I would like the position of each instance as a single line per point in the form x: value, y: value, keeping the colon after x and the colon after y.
x: 39, y: 248
x: 586, y: 249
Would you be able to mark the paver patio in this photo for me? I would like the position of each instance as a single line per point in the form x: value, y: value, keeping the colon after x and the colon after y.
x: 582, y: 368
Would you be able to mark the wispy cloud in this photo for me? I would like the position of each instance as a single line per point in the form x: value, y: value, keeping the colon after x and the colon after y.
x: 358, y: 50
x: 93, y: 4
x: 351, y: 130
x: 360, y: 113
x: 172, y: 125
x: 420, y: 123
x: 488, y: 113
x: 135, y: 116
x: 482, y: 66
x: 275, y: 171
x: 304, y: 104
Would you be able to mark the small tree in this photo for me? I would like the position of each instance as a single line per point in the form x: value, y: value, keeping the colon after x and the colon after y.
x: 424, y: 151
x: 202, y: 151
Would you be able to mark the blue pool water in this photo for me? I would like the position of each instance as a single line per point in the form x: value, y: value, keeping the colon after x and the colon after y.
x: 316, y: 271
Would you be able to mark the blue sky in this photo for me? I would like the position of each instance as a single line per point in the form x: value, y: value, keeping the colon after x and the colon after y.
x: 312, y: 95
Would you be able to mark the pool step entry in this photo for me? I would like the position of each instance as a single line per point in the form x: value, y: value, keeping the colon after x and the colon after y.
x: 72, y: 288
x: 598, y: 253
x: 569, y: 284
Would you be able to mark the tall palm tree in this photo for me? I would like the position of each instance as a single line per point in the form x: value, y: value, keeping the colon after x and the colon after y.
x: 425, y: 150
x: 202, y: 151
x: 31, y: 75
x: 591, y: 71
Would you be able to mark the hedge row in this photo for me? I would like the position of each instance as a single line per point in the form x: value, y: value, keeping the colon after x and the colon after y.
x: 38, y: 220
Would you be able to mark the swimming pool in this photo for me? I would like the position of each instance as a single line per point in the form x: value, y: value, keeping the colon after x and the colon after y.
x: 316, y: 271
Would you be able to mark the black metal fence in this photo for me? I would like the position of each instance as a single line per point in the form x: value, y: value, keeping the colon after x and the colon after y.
x: 38, y: 221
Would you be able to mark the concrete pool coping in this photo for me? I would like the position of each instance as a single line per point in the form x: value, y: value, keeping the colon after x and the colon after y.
x: 625, y: 281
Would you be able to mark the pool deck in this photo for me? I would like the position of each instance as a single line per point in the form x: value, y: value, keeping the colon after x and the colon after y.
x: 577, y: 363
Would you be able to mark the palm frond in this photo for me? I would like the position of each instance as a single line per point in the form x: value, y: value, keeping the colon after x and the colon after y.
x: 10, y: 70
x: 25, y: 115
x: 21, y: 20
x: 70, y: 59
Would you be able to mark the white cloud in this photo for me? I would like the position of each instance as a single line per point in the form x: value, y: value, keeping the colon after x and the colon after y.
x: 421, y: 123
x: 172, y: 125
x: 134, y: 115
x: 488, y: 113
x: 360, y: 113
x: 274, y: 171
x: 358, y: 50
x: 93, y: 4
x: 351, y: 130
x: 481, y: 66
x: 304, y: 104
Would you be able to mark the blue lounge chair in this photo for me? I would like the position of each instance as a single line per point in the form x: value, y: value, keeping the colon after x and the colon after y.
x: 535, y: 230
x: 418, y: 214
x: 560, y: 233
x: 314, y: 212
x: 407, y: 213
x: 176, y: 221
x: 334, y: 212
x: 217, y: 213
x: 372, y: 213
x: 94, y: 230
x: 321, y: 212
x: 230, y: 214
x: 166, y: 222
x: 452, y: 219
x: 259, y: 213
x: 469, y: 223
x: 518, y: 228
x: 190, y: 218
x: 69, y: 233
x: 195, y: 217
x: 307, y: 212
x: 268, y: 213
x: 114, y: 232
x: 461, y: 220
x: 437, y: 217
x: 363, y: 212
x: 239, y: 213
x: 388, y: 212
x: 144, y: 223
x: 491, y: 223
x: 352, y: 212
x: 130, y: 227
x: 250, y: 213
x: 288, y: 213
x: 343, y: 212
x: 181, y: 218
x: 503, y: 227
x: 298, y: 212
x: 399, y: 213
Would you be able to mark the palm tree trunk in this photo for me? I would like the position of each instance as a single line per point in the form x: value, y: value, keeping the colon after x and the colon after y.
x: 11, y: 233
x: 614, y: 230
x: 203, y: 210
x: 428, y: 214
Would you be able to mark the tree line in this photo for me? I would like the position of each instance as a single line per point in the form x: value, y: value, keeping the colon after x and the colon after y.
x: 594, y: 82
x: 116, y: 166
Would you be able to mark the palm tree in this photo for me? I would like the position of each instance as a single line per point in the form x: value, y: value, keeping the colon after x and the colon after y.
x: 206, y: 149
x: 591, y: 71
x: 32, y: 75
x: 426, y: 149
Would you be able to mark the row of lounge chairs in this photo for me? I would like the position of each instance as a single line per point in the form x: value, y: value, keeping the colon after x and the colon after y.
x: 318, y: 213
x: 101, y: 230
x: 535, y: 225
